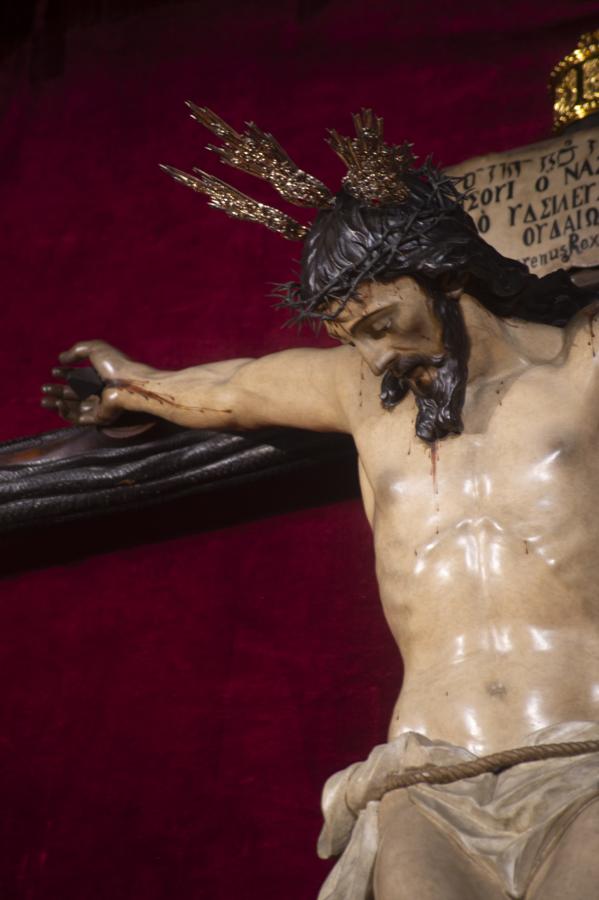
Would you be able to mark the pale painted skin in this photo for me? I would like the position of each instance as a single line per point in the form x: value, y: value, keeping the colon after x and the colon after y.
x: 487, y: 544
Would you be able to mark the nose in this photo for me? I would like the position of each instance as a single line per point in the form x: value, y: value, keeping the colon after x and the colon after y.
x: 378, y: 358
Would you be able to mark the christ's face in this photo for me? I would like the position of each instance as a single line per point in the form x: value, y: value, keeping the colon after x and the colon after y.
x: 395, y: 329
x: 418, y: 342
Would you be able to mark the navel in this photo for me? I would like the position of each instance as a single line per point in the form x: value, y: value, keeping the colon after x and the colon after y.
x: 496, y: 689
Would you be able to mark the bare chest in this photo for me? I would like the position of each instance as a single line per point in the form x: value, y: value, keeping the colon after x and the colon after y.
x: 525, y: 463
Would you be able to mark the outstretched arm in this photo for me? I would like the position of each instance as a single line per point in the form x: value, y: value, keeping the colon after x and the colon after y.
x: 297, y: 388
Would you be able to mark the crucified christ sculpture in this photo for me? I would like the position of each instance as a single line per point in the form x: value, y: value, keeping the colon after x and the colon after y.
x: 470, y: 388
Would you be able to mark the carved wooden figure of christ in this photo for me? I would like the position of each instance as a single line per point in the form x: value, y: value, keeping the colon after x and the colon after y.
x: 470, y: 388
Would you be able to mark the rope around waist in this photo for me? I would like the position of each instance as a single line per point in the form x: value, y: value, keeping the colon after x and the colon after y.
x: 494, y: 762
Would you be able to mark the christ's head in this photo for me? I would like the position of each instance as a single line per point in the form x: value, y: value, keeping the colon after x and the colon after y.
x: 413, y: 336
x: 388, y: 279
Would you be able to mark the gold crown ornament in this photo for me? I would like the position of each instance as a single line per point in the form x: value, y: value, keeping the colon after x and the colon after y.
x: 574, y: 83
x: 375, y: 171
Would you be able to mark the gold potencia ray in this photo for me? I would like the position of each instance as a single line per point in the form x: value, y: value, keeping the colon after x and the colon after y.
x: 238, y: 205
x: 375, y: 170
x: 260, y: 154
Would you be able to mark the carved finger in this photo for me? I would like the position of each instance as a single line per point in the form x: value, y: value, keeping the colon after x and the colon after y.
x: 90, y: 411
x: 68, y: 410
x: 59, y: 390
x: 94, y: 411
x: 78, y: 351
x: 90, y: 405
x: 61, y: 371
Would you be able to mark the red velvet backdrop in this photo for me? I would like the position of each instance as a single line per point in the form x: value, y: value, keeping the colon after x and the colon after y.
x: 170, y: 710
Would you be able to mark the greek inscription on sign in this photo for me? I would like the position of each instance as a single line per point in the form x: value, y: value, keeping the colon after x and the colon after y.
x: 538, y: 204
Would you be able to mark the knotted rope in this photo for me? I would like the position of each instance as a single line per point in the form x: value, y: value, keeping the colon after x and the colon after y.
x: 494, y: 762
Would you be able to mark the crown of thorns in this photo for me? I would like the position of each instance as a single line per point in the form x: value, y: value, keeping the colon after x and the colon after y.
x: 375, y: 171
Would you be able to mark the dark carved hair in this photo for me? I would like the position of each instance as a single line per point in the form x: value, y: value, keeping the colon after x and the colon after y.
x: 427, y: 236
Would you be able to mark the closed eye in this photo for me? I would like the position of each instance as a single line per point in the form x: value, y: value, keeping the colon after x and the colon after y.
x: 380, y: 328
x: 376, y: 324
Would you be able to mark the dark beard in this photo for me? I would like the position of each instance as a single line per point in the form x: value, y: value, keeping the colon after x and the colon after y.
x: 441, y: 401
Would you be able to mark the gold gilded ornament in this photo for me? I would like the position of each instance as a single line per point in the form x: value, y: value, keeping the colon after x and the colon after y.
x: 237, y: 205
x: 375, y: 170
x: 590, y: 78
x: 574, y: 83
x: 260, y: 154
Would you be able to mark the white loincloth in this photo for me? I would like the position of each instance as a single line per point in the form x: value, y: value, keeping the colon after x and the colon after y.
x: 507, y: 822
